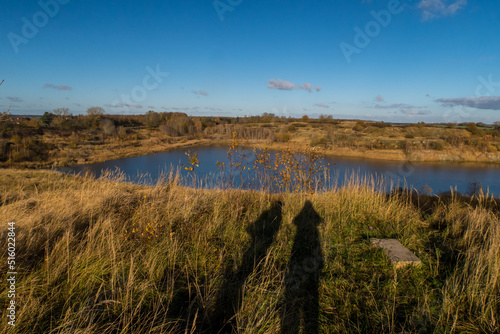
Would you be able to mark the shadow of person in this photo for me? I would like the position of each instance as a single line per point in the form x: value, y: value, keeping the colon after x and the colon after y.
x: 263, y: 232
x: 300, y: 306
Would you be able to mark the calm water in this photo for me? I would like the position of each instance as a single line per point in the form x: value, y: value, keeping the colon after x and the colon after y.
x: 440, y: 177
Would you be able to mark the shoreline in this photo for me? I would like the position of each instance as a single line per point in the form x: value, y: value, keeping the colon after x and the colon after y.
x: 108, y: 153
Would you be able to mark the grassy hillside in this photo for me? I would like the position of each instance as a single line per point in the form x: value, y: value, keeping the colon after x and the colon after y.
x: 103, y: 256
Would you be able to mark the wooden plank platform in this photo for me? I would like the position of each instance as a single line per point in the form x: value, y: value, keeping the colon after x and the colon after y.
x: 399, y: 255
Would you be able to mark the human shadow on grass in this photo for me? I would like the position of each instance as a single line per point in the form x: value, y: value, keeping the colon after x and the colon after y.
x: 263, y: 232
x: 300, y: 306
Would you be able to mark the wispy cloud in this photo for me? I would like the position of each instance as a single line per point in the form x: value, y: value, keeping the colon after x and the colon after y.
x: 307, y: 86
x: 395, y: 106
x: 437, y: 8
x: 213, y: 109
x: 181, y: 109
x: 58, y: 87
x: 199, y: 92
x: 123, y: 105
x: 321, y: 105
x: 484, y: 102
x: 287, y: 85
x: 14, y: 99
x: 413, y: 112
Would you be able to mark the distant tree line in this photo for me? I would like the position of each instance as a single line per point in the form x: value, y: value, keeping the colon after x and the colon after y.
x: 21, y: 138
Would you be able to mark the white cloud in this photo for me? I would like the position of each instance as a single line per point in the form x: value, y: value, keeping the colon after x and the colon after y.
x: 437, y: 8
x: 280, y: 84
x: 287, y: 85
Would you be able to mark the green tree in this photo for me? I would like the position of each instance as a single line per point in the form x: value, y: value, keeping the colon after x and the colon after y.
x: 47, y: 118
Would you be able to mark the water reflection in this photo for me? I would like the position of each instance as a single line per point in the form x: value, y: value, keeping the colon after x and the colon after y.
x: 426, y: 177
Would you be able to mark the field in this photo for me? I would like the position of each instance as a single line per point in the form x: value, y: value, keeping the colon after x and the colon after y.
x: 254, y: 167
x: 104, y: 256
x: 63, y: 140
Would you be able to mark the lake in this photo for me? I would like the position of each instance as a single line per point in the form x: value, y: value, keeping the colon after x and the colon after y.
x: 440, y: 177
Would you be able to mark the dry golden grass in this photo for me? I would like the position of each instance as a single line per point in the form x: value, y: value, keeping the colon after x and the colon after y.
x: 104, y: 256
x: 397, y: 143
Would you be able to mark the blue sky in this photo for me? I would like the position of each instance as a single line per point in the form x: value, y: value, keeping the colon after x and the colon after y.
x: 401, y: 61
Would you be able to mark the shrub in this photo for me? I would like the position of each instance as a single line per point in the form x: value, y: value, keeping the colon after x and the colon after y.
x: 74, y: 139
x: 4, y: 150
x: 360, y: 126
x: 380, y: 124
x: 122, y: 133
x: 47, y: 118
x: 472, y: 128
x: 419, y: 125
x: 437, y: 145
x: 316, y: 141
x: 32, y: 123
x: 482, y: 125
